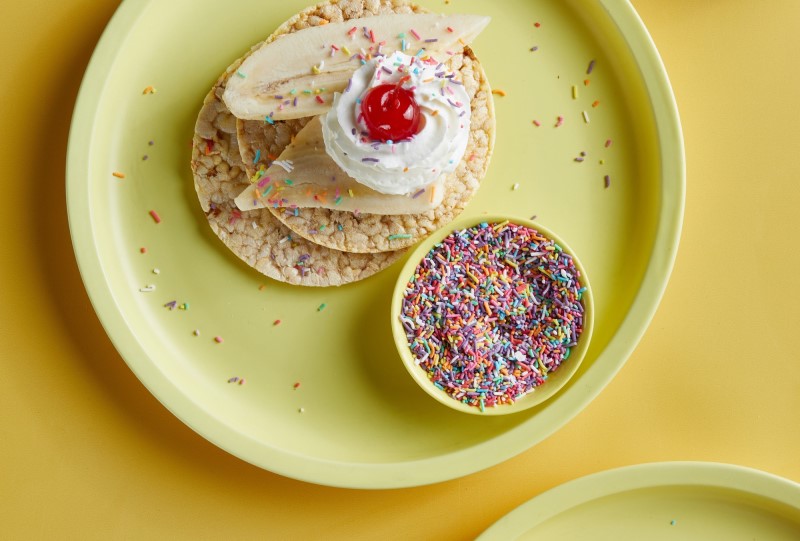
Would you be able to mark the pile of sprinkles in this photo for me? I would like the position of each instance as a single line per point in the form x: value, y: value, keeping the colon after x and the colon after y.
x: 491, y: 310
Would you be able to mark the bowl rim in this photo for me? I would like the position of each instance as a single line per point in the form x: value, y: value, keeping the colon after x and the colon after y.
x: 532, y: 399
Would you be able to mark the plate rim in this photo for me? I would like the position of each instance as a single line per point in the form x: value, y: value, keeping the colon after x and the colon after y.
x: 582, y: 490
x: 410, y: 473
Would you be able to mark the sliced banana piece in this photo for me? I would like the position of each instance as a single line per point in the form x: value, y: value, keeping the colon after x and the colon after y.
x: 304, y: 176
x: 297, y: 74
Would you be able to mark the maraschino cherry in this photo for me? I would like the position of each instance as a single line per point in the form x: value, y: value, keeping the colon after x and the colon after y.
x: 391, y: 113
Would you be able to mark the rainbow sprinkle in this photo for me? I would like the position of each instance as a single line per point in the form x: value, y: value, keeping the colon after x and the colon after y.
x: 491, y: 311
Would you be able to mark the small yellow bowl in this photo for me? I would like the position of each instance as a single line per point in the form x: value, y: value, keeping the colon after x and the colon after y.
x: 555, y: 380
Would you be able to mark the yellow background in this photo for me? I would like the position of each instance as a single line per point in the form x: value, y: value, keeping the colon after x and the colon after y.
x: 86, y: 452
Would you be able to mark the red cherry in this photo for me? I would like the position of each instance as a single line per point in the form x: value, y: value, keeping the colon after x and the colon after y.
x: 391, y: 113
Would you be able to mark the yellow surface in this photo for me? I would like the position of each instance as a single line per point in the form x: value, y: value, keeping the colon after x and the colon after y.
x: 88, y: 453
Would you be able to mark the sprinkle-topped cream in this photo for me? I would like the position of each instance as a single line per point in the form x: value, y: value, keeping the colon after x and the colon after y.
x: 400, y: 167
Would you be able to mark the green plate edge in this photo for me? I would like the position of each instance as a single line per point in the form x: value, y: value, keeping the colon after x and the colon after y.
x: 584, y: 490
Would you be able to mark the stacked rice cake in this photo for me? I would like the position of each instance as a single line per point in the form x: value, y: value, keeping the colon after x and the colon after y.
x: 322, y: 246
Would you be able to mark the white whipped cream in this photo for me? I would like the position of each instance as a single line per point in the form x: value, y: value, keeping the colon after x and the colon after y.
x: 400, y: 167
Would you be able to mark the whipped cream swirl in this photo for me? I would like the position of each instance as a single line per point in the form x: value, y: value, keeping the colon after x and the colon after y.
x: 400, y: 167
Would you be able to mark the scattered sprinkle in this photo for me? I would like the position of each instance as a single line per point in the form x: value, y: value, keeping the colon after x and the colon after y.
x: 537, y: 24
x: 149, y: 90
x: 559, y: 121
x: 586, y: 82
x: 148, y: 288
x: 287, y: 165
x: 534, y: 48
x: 607, y: 181
x: 498, y: 92
x: 302, y: 410
x: 595, y: 103
x: 414, y: 33
x: 276, y: 322
x: 590, y: 68
x: 142, y: 250
x: 574, y: 92
x: 537, y: 123
x: 321, y: 307
x: 151, y: 142
x: 319, y: 99
x: 155, y: 216
x: 196, y: 332
x: 586, y: 117
x: 491, y: 311
x: 399, y: 236
x: 171, y: 305
x: 515, y: 186
x: 218, y: 339
x: 156, y: 271
x: 296, y: 385
x: 608, y: 143
x: 240, y: 74
x: 257, y: 157
x: 672, y: 522
x: 118, y: 174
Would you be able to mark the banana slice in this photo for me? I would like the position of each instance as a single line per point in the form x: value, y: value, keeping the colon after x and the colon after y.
x: 296, y: 75
x: 304, y: 176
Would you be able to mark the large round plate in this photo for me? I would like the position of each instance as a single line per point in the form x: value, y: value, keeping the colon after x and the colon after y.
x: 663, y: 501
x: 364, y: 423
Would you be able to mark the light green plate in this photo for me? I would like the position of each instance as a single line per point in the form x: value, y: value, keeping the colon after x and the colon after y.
x: 661, y: 501
x: 364, y: 422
